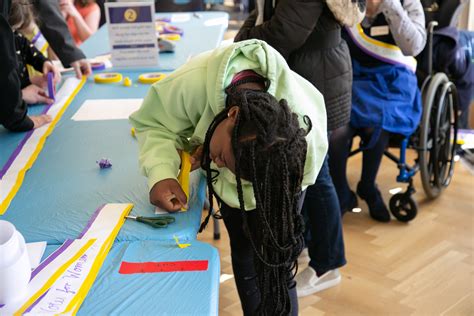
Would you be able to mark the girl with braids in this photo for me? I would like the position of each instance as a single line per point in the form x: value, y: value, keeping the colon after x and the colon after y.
x: 260, y: 130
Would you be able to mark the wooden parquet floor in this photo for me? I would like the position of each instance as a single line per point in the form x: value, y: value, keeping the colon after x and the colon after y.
x: 425, y: 267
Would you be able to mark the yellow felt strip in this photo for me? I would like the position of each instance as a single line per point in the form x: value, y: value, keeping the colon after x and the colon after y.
x: 183, y: 176
x: 21, y: 175
x: 54, y: 277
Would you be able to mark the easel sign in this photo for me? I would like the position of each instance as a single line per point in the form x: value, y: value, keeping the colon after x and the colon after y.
x: 132, y: 35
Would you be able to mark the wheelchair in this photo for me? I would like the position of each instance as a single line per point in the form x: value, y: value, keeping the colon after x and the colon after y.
x: 434, y: 141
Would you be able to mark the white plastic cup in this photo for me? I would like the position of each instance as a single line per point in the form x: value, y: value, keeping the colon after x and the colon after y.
x: 15, y: 267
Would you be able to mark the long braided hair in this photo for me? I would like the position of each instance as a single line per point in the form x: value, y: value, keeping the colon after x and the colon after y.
x: 273, y: 159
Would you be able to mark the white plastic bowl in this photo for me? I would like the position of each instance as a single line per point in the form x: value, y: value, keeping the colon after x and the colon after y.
x: 15, y: 268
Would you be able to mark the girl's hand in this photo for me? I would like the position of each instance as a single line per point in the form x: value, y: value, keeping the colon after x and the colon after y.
x: 196, y: 158
x: 67, y: 8
x: 34, y: 95
x: 168, y: 194
x: 49, y: 67
x: 39, y: 81
x: 372, y: 7
x: 40, y: 120
x: 82, y: 67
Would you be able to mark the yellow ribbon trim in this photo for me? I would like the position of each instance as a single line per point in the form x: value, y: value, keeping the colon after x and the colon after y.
x: 21, y: 175
x: 84, y: 290
x: 382, y: 44
x: 374, y: 41
x: 54, y: 277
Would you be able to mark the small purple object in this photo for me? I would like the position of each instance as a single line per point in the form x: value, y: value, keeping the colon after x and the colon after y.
x: 170, y: 29
x: 97, y: 66
x: 104, y: 163
x: 164, y: 19
x: 51, y: 88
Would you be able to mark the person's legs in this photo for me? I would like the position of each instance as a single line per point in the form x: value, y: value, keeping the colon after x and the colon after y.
x: 243, y: 256
x: 326, y: 246
x: 242, y: 259
x: 367, y: 189
x: 339, y: 147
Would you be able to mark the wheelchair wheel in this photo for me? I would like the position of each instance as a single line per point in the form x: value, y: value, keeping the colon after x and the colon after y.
x: 438, y: 135
x: 403, y: 207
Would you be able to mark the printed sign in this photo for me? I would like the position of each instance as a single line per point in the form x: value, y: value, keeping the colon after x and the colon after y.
x: 132, y: 35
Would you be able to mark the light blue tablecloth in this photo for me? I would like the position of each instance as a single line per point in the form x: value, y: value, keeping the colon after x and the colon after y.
x: 65, y: 186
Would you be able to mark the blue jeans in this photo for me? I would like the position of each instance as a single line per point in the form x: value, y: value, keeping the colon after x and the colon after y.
x: 323, y: 221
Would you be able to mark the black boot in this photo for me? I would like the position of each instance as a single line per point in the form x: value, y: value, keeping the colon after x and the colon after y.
x: 377, y: 208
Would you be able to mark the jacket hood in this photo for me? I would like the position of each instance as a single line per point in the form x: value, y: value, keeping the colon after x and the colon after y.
x: 252, y: 54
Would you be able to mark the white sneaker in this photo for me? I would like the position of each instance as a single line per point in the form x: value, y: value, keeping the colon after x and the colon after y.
x: 303, y: 258
x: 307, y: 282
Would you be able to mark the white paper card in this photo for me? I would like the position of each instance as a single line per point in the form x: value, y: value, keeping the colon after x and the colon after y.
x: 217, y: 21
x: 160, y: 211
x: 107, y: 109
x: 379, y: 30
x: 35, y: 252
x: 132, y: 35
x: 180, y: 17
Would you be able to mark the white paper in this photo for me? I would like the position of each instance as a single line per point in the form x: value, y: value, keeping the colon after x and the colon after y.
x: 160, y: 211
x: 217, y: 21
x: 107, y: 109
x: 180, y: 17
x: 35, y: 252
x: 132, y: 35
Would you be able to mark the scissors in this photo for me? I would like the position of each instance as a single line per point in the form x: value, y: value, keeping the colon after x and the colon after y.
x: 156, y: 222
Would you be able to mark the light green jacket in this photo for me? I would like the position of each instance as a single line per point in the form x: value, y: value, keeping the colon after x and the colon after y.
x: 178, y: 110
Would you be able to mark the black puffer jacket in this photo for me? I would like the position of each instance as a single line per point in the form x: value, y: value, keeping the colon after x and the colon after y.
x: 306, y: 33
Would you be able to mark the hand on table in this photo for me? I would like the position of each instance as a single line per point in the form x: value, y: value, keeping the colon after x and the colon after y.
x: 81, y: 67
x: 168, y: 195
x: 33, y: 94
x: 40, y: 120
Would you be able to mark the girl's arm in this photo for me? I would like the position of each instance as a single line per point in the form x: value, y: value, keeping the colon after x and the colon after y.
x: 89, y: 24
x: 165, y: 121
x: 407, y: 24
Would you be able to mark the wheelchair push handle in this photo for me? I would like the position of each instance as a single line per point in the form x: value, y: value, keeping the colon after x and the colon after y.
x: 431, y: 27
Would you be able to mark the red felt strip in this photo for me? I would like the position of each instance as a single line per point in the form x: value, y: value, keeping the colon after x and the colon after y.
x: 169, y: 266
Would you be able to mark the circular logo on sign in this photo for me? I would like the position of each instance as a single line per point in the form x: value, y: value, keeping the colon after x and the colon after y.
x: 130, y: 15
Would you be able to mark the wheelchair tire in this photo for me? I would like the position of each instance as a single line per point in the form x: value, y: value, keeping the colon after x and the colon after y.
x: 438, y: 135
x: 403, y: 207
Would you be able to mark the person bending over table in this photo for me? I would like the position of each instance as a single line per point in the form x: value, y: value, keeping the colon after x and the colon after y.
x: 260, y: 133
